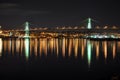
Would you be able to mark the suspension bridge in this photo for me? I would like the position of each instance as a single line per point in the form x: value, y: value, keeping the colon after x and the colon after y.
x: 88, y: 31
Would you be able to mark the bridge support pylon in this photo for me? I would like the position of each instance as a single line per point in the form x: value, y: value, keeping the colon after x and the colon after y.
x: 26, y: 29
x: 89, y: 25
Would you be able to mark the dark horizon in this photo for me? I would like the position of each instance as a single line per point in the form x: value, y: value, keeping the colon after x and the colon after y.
x: 58, y: 13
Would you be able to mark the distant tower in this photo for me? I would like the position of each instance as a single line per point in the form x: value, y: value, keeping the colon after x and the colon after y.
x: 89, y: 26
x: 26, y: 29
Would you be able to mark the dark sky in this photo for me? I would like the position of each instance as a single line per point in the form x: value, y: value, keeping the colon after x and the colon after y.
x: 57, y: 13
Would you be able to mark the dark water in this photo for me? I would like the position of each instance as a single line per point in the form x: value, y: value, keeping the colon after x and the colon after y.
x: 59, y: 59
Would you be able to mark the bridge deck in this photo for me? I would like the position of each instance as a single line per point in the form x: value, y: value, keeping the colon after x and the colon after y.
x: 73, y: 31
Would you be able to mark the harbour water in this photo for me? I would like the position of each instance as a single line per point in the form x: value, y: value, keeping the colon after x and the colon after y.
x: 58, y: 58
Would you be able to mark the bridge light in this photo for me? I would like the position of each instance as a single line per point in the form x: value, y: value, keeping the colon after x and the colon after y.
x: 97, y: 27
x: 76, y: 27
x: 105, y: 27
x: 114, y: 27
x: 82, y: 27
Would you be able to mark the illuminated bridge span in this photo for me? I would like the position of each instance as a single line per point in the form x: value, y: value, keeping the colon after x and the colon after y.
x: 88, y: 30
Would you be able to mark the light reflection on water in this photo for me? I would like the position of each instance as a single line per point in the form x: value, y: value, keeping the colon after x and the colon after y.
x: 26, y: 48
x: 0, y: 47
x: 105, y: 49
x: 77, y: 48
x: 89, y: 52
x: 114, y: 49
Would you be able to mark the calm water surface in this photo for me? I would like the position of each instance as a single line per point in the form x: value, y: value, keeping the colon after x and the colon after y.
x: 59, y: 58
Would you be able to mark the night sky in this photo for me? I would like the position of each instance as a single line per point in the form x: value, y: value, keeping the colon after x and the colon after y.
x: 58, y: 13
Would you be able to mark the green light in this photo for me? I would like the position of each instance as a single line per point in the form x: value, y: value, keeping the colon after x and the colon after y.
x: 26, y: 29
x: 89, y: 23
x: 27, y: 26
x: 89, y: 52
x: 26, y: 48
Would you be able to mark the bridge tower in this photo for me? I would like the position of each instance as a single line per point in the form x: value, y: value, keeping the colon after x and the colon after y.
x: 26, y: 29
x: 89, y: 25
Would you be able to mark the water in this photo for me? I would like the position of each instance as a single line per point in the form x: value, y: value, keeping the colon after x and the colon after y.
x: 59, y: 58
